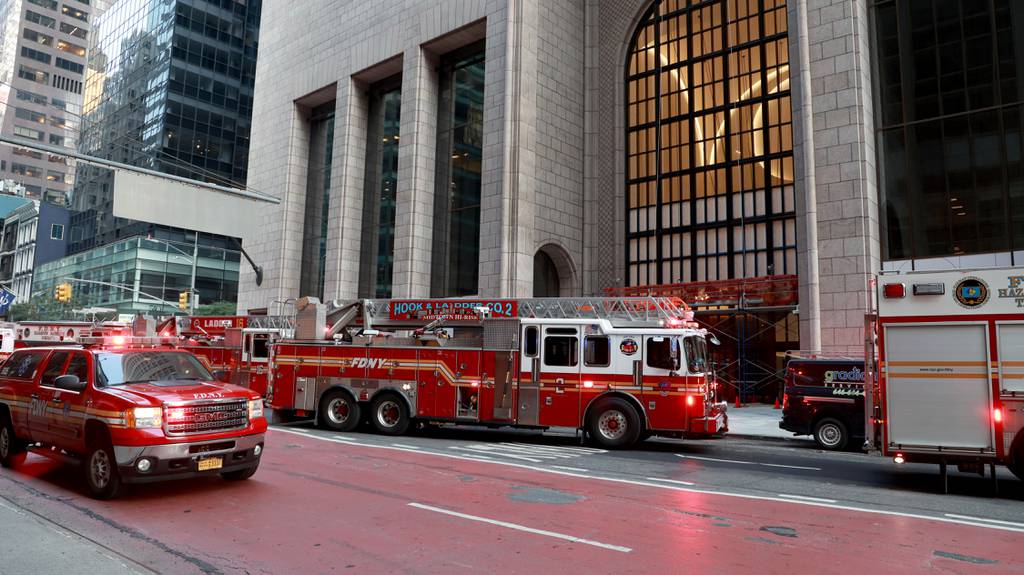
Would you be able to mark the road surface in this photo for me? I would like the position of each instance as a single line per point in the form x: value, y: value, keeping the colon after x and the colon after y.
x: 455, y: 501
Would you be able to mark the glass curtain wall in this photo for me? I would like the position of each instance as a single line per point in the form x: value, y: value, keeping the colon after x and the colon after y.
x: 456, y: 257
x: 378, y: 252
x: 949, y: 126
x: 318, y: 200
x: 709, y: 143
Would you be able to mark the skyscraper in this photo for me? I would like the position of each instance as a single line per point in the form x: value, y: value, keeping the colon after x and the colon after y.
x: 169, y: 87
x: 42, y: 64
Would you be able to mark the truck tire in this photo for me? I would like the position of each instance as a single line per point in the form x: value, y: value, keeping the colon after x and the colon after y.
x: 389, y: 415
x: 339, y: 411
x: 1016, y: 464
x: 12, y: 449
x: 101, y: 475
x: 831, y: 434
x: 614, y: 423
x: 241, y: 474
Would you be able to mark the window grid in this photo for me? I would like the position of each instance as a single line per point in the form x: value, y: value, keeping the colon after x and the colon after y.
x: 718, y: 200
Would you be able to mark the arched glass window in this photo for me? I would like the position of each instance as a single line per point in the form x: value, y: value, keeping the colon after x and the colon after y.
x: 709, y: 143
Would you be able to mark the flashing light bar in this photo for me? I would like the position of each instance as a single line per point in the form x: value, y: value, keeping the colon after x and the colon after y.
x: 125, y: 341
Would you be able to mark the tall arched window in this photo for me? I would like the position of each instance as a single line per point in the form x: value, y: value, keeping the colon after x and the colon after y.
x: 709, y: 143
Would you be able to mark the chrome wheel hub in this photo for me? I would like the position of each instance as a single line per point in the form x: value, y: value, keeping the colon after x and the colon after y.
x: 388, y: 413
x: 612, y: 424
x: 830, y: 435
x: 99, y: 468
x: 338, y: 411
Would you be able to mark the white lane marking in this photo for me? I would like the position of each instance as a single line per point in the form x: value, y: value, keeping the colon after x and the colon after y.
x: 985, y: 520
x: 558, y: 448
x: 749, y: 462
x: 548, y: 469
x: 677, y: 482
x: 405, y: 446
x: 343, y: 438
x: 714, y: 459
x: 523, y: 528
x: 535, y: 452
x: 806, y: 498
x: 570, y: 468
x: 489, y: 452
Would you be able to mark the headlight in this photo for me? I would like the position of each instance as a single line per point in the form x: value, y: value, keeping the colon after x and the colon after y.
x: 255, y: 409
x: 145, y: 417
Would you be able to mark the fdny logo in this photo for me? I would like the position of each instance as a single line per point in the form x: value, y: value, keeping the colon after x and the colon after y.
x: 372, y: 363
x: 971, y: 292
x: 628, y: 346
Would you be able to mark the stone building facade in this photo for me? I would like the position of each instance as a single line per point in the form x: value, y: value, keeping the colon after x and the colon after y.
x: 615, y: 143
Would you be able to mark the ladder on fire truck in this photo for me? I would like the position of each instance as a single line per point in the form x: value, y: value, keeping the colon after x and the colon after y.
x: 619, y: 311
x: 280, y: 322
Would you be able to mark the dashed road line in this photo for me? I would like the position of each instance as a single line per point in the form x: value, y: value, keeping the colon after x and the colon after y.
x: 985, y: 520
x: 806, y: 498
x: 571, y: 468
x: 522, y: 528
x: 738, y: 462
x: 675, y: 481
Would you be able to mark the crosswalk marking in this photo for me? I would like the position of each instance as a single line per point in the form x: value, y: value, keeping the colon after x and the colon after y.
x: 528, y: 451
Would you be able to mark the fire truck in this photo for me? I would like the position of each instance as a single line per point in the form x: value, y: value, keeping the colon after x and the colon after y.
x: 949, y: 383
x: 620, y: 369
x: 236, y: 348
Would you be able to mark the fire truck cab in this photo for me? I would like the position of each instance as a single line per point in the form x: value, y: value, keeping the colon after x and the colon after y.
x: 949, y: 385
x: 618, y: 368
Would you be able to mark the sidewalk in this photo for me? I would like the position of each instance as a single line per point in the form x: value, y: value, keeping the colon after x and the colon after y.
x: 758, y: 420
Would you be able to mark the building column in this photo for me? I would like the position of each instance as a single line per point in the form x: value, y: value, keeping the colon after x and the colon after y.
x: 348, y: 174
x: 414, y: 198
x: 509, y: 156
x: 834, y: 149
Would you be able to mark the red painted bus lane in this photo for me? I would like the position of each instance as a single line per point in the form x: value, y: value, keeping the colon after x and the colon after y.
x: 318, y: 506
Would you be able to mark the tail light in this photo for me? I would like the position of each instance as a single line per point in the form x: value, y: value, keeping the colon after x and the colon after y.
x: 899, y: 458
x: 785, y: 401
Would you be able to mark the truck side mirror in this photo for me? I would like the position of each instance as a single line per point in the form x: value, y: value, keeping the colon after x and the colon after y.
x: 222, y: 376
x: 69, y: 382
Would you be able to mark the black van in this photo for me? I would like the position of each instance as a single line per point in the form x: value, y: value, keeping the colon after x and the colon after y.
x: 825, y: 398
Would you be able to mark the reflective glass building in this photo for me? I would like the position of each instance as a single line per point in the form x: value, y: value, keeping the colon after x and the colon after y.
x: 169, y: 87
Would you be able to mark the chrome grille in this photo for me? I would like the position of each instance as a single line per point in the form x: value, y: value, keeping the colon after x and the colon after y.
x: 206, y: 417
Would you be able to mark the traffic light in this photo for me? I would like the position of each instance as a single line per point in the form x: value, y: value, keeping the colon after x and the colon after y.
x: 183, y: 300
x: 62, y: 293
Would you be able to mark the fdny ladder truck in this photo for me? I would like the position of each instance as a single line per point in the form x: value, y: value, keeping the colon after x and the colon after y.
x: 948, y: 387
x: 621, y: 369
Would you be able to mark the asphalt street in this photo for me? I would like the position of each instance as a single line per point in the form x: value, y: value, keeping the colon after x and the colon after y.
x: 464, y: 500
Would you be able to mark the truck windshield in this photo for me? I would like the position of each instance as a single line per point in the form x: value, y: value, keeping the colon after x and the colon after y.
x: 144, y: 366
x: 696, y: 354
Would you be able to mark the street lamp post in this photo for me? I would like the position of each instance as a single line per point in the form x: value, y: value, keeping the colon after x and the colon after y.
x: 195, y: 259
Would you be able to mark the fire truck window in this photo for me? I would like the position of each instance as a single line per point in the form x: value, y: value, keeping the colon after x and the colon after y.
x: 259, y: 346
x: 54, y: 367
x: 79, y: 366
x: 696, y: 354
x: 596, y: 351
x: 659, y: 354
x: 22, y: 365
x: 530, y: 342
x: 561, y: 351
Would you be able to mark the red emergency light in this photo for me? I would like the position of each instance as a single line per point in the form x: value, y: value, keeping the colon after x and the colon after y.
x: 894, y: 290
x: 997, y: 415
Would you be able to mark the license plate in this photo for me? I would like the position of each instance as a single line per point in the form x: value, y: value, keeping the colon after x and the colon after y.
x: 210, y: 463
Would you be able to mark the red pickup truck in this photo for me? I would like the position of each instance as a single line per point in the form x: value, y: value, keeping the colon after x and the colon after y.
x: 128, y: 413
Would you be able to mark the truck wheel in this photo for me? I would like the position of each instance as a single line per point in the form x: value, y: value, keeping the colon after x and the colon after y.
x: 101, y: 473
x: 1017, y: 460
x: 389, y: 415
x: 831, y: 434
x: 241, y: 474
x: 338, y: 411
x: 12, y: 449
x: 615, y: 424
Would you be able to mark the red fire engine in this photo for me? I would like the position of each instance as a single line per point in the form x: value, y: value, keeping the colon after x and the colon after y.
x: 619, y: 368
x: 949, y: 386
x: 234, y: 347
